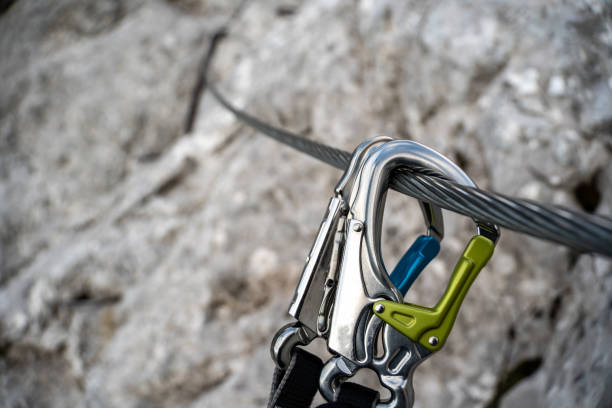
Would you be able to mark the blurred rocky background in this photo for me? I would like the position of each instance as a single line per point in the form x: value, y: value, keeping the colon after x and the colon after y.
x: 146, y: 261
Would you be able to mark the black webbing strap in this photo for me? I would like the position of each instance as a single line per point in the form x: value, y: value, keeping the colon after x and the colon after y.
x: 357, y: 396
x: 295, y: 386
x: 353, y: 395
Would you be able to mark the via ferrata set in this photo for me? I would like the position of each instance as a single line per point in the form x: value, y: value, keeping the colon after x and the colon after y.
x: 346, y: 296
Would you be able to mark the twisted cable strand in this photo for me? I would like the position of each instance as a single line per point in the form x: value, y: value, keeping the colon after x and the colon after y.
x: 580, y: 231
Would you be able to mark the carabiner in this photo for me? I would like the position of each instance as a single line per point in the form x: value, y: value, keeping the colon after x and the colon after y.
x: 314, y: 296
x: 431, y: 326
x: 314, y: 287
x: 364, y: 292
x: 363, y: 279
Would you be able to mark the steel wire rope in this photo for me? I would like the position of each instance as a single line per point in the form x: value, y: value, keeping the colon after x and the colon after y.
x: 580, y: 231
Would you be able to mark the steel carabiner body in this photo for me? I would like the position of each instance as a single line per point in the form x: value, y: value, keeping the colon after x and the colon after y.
x: 345, y: 294
x: 314, y: 296
x: 358, y: 319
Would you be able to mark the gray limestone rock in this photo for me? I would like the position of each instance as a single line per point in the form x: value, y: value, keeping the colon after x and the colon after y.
x: 143, y: 266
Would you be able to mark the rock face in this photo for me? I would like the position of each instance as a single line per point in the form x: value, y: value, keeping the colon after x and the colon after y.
x: 143, y: 266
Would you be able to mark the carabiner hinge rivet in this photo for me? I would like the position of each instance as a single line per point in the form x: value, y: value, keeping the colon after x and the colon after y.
x: 379, y: 308
x: 433, y: 340
x: 357, y: 227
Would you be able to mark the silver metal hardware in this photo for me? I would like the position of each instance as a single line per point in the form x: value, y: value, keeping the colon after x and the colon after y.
x: 345, y: 274
x: 314, y: 296
x: 286, y: 339
x: 310, y: 291
x: 363, y: 279
x: 433, y: 341
x: 394, y: 368
x: 330, y: 282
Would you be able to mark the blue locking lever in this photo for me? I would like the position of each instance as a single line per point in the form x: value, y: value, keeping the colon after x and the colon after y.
x: 416, y: 258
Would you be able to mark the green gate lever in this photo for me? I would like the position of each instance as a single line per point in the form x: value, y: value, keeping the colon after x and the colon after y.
x: 431, y: 326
